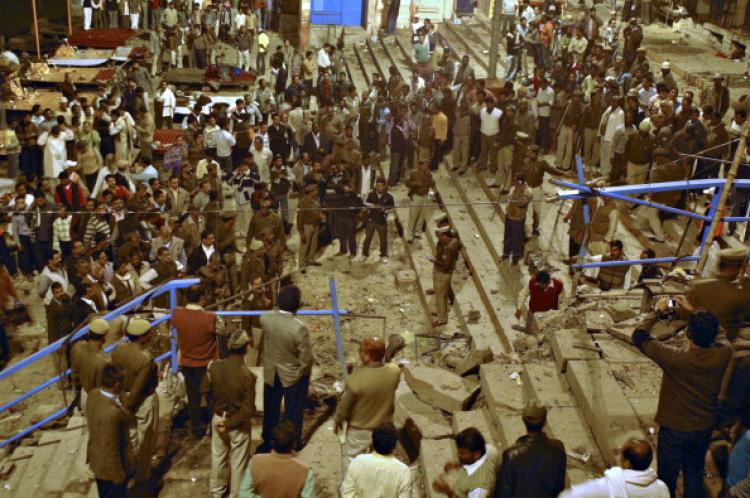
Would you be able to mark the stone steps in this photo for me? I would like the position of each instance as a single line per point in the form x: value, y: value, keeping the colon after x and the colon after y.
x: 459, y: 49
x: 396, y: 58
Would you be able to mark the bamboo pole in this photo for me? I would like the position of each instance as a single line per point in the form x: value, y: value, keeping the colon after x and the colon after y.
x: 36, y: 30
x: 70, y: 17
x: 709, y: 237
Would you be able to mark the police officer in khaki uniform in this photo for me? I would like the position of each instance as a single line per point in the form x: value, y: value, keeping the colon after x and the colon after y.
x: 87, y: 360
x: 273, y: 254
x: 226, y: 244
x: 309, y: 217
x: 444, y: 263
x: 419, y: 184
x: 233, y: 388
x: 722, y: 294
x: 602, y: 226
x: 139, y: 391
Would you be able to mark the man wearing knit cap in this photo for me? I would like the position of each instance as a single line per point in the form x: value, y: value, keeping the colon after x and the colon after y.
x: 87, y: 360
x: 368, y: 400
x: 233, y: 388
x: 139, y: 391
x: 536, y: 464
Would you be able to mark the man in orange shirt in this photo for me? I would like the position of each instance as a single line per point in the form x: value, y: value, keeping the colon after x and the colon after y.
x: 440, y: 129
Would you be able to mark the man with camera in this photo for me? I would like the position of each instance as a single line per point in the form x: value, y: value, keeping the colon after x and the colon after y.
x: 688, y: 398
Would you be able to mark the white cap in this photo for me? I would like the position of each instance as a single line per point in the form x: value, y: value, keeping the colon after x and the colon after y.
x: 666, y: 65
x: 63, y: 100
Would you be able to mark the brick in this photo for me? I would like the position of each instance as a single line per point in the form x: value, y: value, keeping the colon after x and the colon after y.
x: 567, y: 424
x: 607, y: 410
x: 499, y: 389
x: 427, y: 420
x: 473, y: 418
x: 616, y: 351
x: 543, y: 384
x: 438, y: 387
x: 405, y: 278
x: 433, y: 455
x: 570, y: 344
x: 323, y: 453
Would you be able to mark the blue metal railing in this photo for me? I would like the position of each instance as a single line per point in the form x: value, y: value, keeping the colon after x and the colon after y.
x: 172, y: 355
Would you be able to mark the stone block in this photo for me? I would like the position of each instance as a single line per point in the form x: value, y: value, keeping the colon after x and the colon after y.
x: 323, y: 453
x: 438, y: 387
x: 502, y: 386
x: 570, y: 344
x: 43, y: 411
x: 616, y: 351
x: 545, y: 385
x: 567, y: 424
x: 510, y: 426
x: 598, y: 320
x: 645, y: 407
x: 38, y: 466
x: 638, y: 380
x: 472, y: 361
x: 621, y: 311
x: 607, y: 410
x: 433, y: 455
x: 428, y: 421
x: 473, y: 418
x: 64, y: 457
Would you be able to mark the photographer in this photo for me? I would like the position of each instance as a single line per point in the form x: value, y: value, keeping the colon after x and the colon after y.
x: 688, y: 397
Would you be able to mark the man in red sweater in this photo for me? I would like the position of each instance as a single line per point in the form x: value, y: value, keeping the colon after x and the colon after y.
x: 197, y: 333
x: 543, y: 293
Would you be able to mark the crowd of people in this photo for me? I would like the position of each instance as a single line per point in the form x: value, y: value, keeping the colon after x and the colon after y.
x: 101, y: 211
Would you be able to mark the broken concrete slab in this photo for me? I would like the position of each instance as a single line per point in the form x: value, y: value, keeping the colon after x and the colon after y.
x: 405, y: 278
x: 473, y: 418
x: 510, y: 426
x: 556, y: 320
x: 323, y: 453
x: 472, y: 361
x: 638, y: 380
x: 621, y: 311
x: 646, y: 407
x: 502, y: 386
x: 617, y: 351
x: 598, y: 321
x: 608, y: 412
x: 433, y: 455
x: 428, y: 421
x: 568, y: 425
x: 543, y: 384
x: 438, y: 387
x: 43, y: 411
x: 570, y: 344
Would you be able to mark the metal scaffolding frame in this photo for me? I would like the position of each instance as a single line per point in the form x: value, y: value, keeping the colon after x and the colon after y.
x: 574, y: 191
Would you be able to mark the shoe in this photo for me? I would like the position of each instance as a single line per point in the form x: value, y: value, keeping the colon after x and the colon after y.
x: 417, y: 236
x: 364, y: 257
x: 504, y: 192
x: 462, y: 172
x: 340, y: 253
x: 503, y: 258
x: 316, y: 263
x: 384, y: 260
x: 655, y: 239
x: 535, y: 232
x: 514, y: 263
x: 439, y: 324
x: 495, y: 185
x: 410, y: 241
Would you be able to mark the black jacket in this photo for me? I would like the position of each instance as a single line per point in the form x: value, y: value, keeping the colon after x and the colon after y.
x: 534, y: 466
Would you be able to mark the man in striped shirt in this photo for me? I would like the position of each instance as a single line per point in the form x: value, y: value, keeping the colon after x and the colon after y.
x: 61, y: 232
x: 378, y: 474
x: 98, y: 231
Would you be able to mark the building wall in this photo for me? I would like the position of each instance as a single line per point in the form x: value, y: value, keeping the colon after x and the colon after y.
x: 18, y: 20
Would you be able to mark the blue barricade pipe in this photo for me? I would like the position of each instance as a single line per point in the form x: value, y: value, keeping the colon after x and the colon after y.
x: 34, y: 427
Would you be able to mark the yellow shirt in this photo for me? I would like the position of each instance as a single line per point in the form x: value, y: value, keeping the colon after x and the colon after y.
x: 440, y: 126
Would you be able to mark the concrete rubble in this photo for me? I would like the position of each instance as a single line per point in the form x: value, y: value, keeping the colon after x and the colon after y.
x: 438, y: 387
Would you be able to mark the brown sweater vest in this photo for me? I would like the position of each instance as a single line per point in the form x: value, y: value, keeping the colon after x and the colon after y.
x: 612, y: 277
x: 196, y: 335
x: 277, y: 476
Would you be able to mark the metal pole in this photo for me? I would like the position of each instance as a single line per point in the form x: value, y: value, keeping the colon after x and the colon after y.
x: 337, y: 326
x: 70, y: 17
x: 36, y: 30
x: 495, y: 39
x: 172, y: 330
x: 709, y: 237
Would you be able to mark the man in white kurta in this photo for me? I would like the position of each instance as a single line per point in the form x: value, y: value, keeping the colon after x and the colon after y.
x: 55, y: 153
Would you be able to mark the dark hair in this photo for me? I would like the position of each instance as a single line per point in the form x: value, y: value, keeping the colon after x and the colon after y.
x: 471, y: 439
x: 616, y: 243
x: 289, y: 298
x: 638, y: 452
x: 206, y: 232
x: 194, y: 292
x: 739, y: 112
x: 649, y: 253
x: 56, y: 285
x: 542, y: 277
x: 384, y: 438
x: 284, y: 437
x: 702, y: 328
x: 111, y: 375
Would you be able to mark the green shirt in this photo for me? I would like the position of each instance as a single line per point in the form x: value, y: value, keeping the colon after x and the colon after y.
x: 480, y: 475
